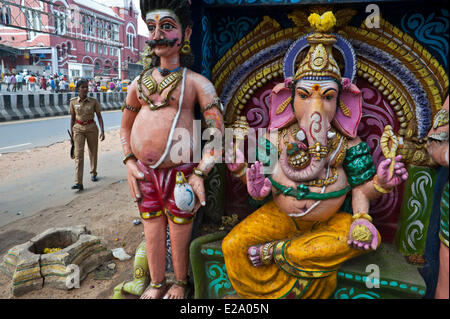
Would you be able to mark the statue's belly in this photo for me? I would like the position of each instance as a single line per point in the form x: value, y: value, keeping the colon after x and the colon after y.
x: 319, y: 210
x: 150, y: 133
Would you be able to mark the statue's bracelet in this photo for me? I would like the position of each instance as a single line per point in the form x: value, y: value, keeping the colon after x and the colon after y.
x: 127, y: 157
x: 199, y: 173
x: 380, y: 188
x: 266, y: 256
x: 362, y: 215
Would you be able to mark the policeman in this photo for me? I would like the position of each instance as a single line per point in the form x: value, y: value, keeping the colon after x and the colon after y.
x: 83, y: 127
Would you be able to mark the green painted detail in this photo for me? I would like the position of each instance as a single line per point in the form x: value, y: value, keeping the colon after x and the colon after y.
x: 415, y: 212
x: 302, y: 191
x: 198, y: 263
x: 358, y: 164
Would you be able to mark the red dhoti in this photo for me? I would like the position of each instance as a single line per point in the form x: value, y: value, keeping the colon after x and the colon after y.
x: 157, y: 193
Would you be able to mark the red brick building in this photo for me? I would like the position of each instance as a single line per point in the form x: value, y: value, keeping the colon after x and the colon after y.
x: 89, y: 39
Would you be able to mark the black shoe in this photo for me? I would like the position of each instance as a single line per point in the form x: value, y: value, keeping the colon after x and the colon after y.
x: 78, y: 186
x: 94, y: 178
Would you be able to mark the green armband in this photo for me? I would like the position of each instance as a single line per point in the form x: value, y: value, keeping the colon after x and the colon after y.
x: 358, y: 164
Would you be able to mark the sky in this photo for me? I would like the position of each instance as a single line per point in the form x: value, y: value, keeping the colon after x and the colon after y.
x: 142, y: 27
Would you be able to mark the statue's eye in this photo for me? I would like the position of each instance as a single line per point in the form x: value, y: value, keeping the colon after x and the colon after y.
x: 329, y: 97
x: 303, y: 96
x: 167, y: 26
x: 151, y: 28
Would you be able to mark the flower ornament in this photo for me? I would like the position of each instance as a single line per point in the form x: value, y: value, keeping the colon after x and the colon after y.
x: 346, y: 83
x: 288, y: 82
x: 324, y: 22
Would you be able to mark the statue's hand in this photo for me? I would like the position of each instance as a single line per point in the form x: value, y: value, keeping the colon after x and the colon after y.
x: 198, y: 187
x: 255, y: 255
x: 258, y: 185
x: 133, y: 174
x: 363, y: 235
x: 399, y: 176
x: 237, y: 165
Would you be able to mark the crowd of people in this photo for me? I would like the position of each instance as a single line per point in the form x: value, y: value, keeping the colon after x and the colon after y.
x: 21, y: 82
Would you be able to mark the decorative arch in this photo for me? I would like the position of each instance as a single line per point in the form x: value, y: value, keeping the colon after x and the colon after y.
x: 402, y: 84
x: 87, y: 60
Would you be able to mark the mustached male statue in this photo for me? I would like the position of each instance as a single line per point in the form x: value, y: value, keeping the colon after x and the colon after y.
x: 159, y: 103
x: 294, y: 244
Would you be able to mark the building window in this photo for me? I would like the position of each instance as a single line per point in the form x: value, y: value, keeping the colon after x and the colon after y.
x: 60, y: 23
x: 93, y: 47
x: 33, y: 22
x: 86, y: 46
x: 116, y: 33
x: 100, y: 49
x: 131, y: 35
x: 5, y: 16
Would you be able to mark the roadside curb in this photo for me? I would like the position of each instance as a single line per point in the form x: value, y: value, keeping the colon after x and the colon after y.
x: 14, y: 107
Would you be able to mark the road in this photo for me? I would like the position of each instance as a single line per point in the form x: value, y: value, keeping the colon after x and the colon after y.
x: 51, y: 187
x: 23, y: 135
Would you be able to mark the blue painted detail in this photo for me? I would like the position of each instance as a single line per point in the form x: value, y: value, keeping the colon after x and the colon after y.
x: 358, y: 277
x: 219, y: 284
x: 430, y: 31
x: 348, y: 276
x: 403, y: 286
x: 341, y: 274
x: 393, y: 284
x: 345, y: 293
x: 210, y: 252
x: 421, y: 292
x: 414, y: 288
x: 206, y: 48
x: 229, y: 30
x: 384, y: 283
x: 344, y: 47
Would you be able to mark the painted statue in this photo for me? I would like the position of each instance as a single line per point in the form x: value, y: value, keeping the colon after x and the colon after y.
x: 294, y: 244
x: 437, y: 147
x: 159, y: 109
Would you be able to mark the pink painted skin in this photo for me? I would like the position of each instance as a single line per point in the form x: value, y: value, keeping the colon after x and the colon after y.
x: 373, y: 244
x: 400, y: 173
x: 255, y: 255
x: 258, y: 185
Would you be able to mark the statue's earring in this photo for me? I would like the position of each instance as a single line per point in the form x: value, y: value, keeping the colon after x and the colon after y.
x: 186, y: 49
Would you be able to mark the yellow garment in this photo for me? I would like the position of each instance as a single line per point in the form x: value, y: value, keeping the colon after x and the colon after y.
x: 307, y: 255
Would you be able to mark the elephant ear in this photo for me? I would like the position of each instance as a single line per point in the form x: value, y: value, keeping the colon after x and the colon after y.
x: 349, y: 111
x: 281, y: 113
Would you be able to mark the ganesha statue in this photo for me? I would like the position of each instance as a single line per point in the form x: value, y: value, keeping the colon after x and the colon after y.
x: 293, y: 245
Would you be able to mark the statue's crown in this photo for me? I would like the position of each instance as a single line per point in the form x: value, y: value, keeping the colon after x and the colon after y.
x: 319, y: 61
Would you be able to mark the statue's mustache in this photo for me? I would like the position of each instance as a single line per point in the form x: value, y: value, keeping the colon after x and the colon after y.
x: 153, y: 43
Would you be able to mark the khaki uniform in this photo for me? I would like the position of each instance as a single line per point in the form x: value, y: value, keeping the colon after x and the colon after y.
x: 84, y: 112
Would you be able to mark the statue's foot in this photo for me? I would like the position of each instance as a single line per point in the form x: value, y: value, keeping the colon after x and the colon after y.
x: 177, y: 291
x: 153, y: 292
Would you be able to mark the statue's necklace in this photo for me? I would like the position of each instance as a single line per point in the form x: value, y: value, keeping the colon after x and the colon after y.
x: 153, y: 87
x: 333, y: 144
